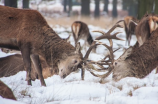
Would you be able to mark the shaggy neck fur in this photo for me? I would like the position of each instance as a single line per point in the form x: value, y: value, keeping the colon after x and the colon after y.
x: 54, y: 48
x: 144, y: 59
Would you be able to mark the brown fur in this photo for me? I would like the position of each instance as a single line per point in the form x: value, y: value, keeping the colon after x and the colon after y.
x: 144, y: 28
x: 6, y: 92
x: 140, y: 61
x: 27, y: 31
x: 12, y: 64
x: 80, y: 30
x: 130, y: 27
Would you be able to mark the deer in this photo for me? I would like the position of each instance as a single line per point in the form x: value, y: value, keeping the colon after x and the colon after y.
x: 27, y: 31
x: 80, y: 30
x: 146, y: 26
x: 6, y: 92
x: 11, y: 60
x: 137, y: 61
x: 130, y: 24
x: 11, y: 65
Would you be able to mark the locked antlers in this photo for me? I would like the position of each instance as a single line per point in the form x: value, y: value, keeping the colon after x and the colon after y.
x: 108, y: 60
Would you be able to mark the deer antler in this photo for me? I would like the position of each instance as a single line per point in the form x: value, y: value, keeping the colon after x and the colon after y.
x: 108, y: 59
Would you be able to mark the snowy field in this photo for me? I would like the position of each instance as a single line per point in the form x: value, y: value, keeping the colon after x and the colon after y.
x: 73, y: 90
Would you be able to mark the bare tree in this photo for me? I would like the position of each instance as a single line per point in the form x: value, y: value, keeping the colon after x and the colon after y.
x: 70, y: 8
x: 65, y: 4
x: 11, y: 3
x: 114, y: 11
x: 85, y: 8
x: 25, y: 3
x: 145, y: 6
x: 97, y: 10
x: 106, y: 2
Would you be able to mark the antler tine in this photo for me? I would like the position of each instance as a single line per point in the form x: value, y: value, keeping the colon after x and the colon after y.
x: 116, y: 25
x: 89, y: 50
x: 101, y: 76
x: 119, y: 21
x: 101, y: 63
x: 105, y: 35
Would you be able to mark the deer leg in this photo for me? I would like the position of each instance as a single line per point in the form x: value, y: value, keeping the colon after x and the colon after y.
x: 156, y: 69
x: 37, y: 65
x: 25, y: 51
x: 82, y: 73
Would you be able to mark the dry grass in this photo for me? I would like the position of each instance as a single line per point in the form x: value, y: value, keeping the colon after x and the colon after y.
x: 103, y: 22
x: 130, y: 93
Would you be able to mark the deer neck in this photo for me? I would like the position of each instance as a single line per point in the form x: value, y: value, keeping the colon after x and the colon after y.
x: 53, y: 47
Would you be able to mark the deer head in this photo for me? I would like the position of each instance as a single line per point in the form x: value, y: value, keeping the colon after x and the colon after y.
x: 121, y: 63
x: 70, y: 64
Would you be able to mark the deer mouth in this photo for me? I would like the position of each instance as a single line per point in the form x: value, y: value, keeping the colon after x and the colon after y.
x: 64, y: 76
x: 116, y: 77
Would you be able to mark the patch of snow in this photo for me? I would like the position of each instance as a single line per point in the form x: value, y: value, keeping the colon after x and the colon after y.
x: 73, y: 90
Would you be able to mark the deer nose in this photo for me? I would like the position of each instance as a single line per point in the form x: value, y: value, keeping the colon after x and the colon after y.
x: 64, y: 76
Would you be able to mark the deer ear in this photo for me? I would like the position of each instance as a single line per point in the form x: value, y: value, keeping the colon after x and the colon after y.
x: 152, y: 25
x: 78, y: 48
x: 127, y: 53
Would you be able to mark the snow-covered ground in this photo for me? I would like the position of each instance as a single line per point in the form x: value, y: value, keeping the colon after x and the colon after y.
x: 73, y: 90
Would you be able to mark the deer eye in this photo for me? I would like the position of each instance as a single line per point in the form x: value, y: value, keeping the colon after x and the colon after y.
x: 61, y: 70
x: 75, y: 61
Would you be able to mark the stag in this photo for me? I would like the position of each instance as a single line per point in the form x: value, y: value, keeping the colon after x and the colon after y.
x: 139, y: 60
x: 28, y: 31
x: 15, y: 61
x: 6, y: 92
x: 80, y: 30
x: 107, y: 60
x: 130, y: 24
x: 12, y: 64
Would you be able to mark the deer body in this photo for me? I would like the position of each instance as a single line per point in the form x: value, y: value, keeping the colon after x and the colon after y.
x: 80, y: 30
x: 140, y: 60
x: 12, y: 64
x: 137, y: 61
x: 130, y: 24
x: 28, y: 31
x: 145, y: 28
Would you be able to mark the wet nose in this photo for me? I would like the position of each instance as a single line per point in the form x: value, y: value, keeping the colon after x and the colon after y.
x: 64, y: 75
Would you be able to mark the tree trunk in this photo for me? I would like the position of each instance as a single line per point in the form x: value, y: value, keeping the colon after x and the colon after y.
x: 97, y: 10
x: 25, y: 3
x: 138, y: 61
x: 106, y: 2
x: 114, y: 11
x: 65, y: 4
x: 85, y: 8
x: 70, y: 8
x: 124, y: 4
x: 132, y: 8
x: 11, y: 3
x: 145, y: 6
x: 156, y: 7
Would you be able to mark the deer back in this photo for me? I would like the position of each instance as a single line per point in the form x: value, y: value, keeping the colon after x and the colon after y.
x: 80, y: 30
x: 145, y: 27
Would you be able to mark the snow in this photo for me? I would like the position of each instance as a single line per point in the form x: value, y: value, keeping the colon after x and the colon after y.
x: 73, y: 90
